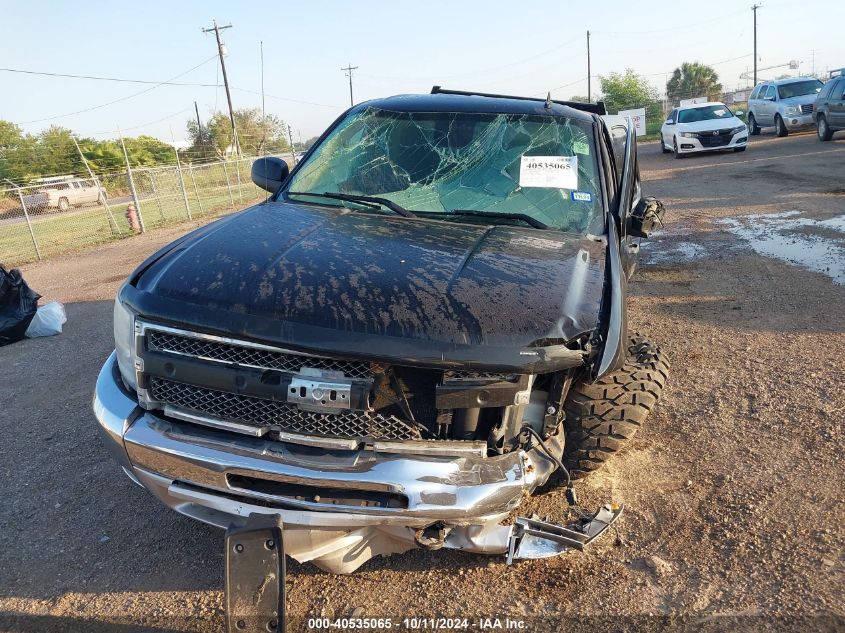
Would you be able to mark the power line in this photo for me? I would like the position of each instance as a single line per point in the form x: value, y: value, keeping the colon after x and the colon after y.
x: 133, y: 95
x: 114, y: 79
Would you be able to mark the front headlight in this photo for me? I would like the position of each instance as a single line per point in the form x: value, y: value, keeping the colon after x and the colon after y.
x: 689, y: 134
x: 792, y: 110
x: 738, y: 129
x: 124, y: 342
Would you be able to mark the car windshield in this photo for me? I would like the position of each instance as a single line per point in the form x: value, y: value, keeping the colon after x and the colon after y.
x: 706, y: 113
x: 800, y: 88
x: 543, y: 167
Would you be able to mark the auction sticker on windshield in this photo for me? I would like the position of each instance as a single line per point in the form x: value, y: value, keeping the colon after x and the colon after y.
x: 557, y: 172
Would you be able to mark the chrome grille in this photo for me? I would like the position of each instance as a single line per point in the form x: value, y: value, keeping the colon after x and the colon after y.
x: 807, y: 108
x: 281, y: 416
x: 235, y: 354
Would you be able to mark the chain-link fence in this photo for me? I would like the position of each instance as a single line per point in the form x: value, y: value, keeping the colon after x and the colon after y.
x: 62, y: 214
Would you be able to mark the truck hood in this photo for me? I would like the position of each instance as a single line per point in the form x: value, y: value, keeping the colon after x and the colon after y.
x: 280, y: 268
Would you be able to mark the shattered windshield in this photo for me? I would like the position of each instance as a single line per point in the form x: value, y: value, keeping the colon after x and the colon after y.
x: 437, y: 163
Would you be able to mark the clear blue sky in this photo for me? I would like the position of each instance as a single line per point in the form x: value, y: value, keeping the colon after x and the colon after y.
x: 496, y: 45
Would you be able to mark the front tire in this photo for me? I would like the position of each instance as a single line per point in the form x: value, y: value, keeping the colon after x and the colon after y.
x: 603, y: 416
x: 678, y: 154
x: 823, y: 129
x: 753, y: 128
x: 780, y: 127
x: 64, y: 205
x: 663, y: 147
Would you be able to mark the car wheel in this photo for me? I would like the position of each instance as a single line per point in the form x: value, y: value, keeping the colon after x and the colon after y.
x: 823, y: 129
x: 675, y: 147
x: 753, y: 128
x: 780, y: 127
x: 663, y: 147
x: 739, y: 149
x: 601, y: 417
x: 64, y: 205
x: 101, y: 198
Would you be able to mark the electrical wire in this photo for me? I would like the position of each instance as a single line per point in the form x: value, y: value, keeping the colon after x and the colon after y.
x: 542, y: 446
x: 114, y: 79
x: 133, y: 95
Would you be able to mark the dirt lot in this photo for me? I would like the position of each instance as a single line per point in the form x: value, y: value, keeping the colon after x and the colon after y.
x: 733, y: 491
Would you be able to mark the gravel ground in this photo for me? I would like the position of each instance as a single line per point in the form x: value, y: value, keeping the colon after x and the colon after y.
x: 733, y: 491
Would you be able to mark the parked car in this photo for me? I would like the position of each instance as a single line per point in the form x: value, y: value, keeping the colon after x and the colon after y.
x: 829, y: 111
x: 423, y: 323
x: 63, y: 192
x: 702, y: 127
x: 786, y: 104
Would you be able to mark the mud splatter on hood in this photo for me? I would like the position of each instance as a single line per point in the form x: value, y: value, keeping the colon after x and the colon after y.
x: 377, y: 274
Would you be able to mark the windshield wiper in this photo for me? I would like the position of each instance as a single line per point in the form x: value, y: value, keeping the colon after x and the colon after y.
x: 507, y: 216
x: 364, y: 200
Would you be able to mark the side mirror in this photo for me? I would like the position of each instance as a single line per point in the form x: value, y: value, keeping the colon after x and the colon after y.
x: 739, y: 112
x: 646, y: 217
x: 269, y: 173
x: 670, y: 122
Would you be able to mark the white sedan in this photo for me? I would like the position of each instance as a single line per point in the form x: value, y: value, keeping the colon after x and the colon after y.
x: 703, y: 127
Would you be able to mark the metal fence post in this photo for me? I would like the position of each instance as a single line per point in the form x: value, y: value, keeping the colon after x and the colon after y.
x: 196, y: 191
x: 132, y: 184
x: 228, y: 184
x: 152, y: 175
x: 112, y: 222
x: 240, y: 189
x: 29, y: 224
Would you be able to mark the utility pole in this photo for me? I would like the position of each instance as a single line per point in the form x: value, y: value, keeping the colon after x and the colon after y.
x: 292, y: 148
x: 200, y: 139
x: 589, y: 93
x: 349, y: 68
x: 754, y: 9
x: 220, y: 52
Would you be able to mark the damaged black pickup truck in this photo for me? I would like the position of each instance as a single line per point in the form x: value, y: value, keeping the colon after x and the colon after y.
x: 424, y: 321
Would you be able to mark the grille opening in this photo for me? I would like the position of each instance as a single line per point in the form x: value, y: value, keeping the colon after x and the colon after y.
x: 226, y: 352
x: 318, y: 494
x: 280, y: 415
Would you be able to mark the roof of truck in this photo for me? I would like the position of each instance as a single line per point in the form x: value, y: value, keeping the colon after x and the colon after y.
x: 450, y: 102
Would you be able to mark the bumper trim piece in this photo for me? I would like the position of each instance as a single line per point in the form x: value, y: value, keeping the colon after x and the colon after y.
x: 538, y: 539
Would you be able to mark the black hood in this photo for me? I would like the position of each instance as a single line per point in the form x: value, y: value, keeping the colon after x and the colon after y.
x: 358, y: 275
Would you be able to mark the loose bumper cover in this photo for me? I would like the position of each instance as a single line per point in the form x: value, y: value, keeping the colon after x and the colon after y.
x: 340, y: 508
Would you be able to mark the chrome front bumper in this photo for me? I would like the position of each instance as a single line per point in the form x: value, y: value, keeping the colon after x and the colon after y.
x: 197, y: 472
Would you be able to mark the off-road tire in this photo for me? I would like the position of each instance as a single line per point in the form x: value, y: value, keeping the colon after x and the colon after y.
x: 753, y: 128
x: 780, y: 127
x: 823, y: 129
x: 601, y: 417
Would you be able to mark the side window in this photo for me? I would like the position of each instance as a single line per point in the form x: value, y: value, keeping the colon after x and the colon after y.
x: 618, y: 134
x: 772, y: 92
x: 755, y: 92
x: 827, y: 89
x: 839, y: 90
x: 673, y: 116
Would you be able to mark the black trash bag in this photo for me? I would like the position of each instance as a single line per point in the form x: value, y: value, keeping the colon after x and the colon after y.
x: 18, y: 304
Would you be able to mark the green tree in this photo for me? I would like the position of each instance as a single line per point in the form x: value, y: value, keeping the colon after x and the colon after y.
x: 693, y: 79
x: 255, y: 134
x: 624, y: 91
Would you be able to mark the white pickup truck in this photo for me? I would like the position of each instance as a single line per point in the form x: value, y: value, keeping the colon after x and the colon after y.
x: 63, y: 192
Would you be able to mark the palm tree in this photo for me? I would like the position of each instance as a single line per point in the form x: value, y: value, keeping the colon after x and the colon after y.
x: 693, y: 79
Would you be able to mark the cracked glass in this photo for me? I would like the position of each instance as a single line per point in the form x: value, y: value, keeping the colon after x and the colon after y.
x: 434, y: 163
